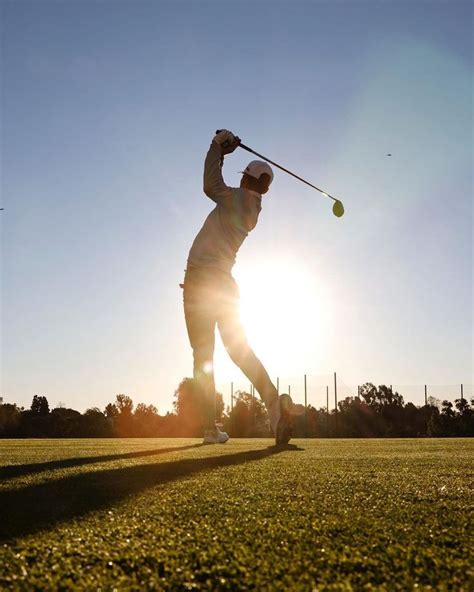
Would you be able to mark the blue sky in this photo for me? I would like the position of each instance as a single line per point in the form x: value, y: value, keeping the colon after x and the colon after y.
x: 107, y: 112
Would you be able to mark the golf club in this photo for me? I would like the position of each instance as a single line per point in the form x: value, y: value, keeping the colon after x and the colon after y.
x: 337, y: 209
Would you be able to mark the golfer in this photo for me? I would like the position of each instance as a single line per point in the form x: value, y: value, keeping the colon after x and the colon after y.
x: 211, y: 295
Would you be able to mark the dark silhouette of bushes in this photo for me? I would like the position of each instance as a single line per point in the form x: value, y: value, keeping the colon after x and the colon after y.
x: 377, y: 412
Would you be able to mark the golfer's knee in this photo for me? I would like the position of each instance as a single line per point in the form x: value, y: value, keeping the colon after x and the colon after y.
x: 203, y: 363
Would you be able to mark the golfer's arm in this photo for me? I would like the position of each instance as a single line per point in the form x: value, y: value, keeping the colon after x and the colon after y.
x: 214, y: 186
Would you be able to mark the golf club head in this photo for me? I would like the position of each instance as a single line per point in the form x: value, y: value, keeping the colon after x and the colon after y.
x: 338, y: 209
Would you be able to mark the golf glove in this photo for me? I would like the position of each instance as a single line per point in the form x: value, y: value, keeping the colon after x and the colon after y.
x: 226, y: 141
x: 224, y: 137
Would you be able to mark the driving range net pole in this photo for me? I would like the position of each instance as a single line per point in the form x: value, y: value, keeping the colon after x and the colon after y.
x: 335, y: 405
x: 305, y: 408
x: 327, y: 411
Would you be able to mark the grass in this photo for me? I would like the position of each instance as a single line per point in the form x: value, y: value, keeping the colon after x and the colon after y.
x: 174, y: 515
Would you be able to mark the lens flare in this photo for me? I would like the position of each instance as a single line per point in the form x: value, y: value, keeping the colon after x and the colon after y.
x: 207, y: 367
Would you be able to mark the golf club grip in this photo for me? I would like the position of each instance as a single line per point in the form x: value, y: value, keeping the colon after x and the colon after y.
x: 241, y: 145
x: 226, y: 143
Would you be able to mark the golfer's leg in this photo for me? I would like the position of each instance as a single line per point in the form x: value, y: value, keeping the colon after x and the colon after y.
x: 200, y: 323
x: 235, y: 341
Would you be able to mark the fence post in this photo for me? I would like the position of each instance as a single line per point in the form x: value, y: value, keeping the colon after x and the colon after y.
x: 305, y: 408
x: 252, y: 394
x: 327, y: 411
x: 426, y: 395
x: 335, y: 404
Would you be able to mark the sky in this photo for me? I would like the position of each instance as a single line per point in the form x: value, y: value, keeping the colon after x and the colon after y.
x: 107, y: 111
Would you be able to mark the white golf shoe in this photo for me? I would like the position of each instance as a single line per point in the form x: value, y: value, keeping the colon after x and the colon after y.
x: 215, y: 436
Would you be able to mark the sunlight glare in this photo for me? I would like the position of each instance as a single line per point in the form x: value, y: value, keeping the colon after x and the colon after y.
x: 285, y: 313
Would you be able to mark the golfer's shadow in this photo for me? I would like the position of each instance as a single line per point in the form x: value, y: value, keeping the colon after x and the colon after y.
x: 37, y: 507
x: 11, y: 471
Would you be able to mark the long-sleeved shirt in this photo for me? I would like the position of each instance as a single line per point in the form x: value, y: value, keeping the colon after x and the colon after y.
x: 229, y: 223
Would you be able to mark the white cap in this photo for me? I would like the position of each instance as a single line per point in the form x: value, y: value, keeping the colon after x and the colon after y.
x: 257, y: 168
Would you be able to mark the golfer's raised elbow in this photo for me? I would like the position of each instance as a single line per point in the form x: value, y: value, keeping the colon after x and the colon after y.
x: 208, y: 190
x: 217, y: 193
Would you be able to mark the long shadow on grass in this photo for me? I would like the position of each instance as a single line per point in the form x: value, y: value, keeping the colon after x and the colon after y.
x: 38, y: 507
x: 30, y: 469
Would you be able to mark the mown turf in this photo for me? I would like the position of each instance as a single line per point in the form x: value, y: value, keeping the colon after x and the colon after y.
x: 174, y: 515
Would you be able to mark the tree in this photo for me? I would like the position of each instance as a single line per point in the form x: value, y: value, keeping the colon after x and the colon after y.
x: 95, y: 424
x: 123, y: 422
x: 465, y: 418
x: 65, y: 423
x: 434, y: 402
x: 143, y: 410
x: 9, y: 420
x: 111, y: 411
x: 40, y: 405
x: 300, y: 421
x: 462, y: 406
x: 447, y: 409
x: 147, y: 421
x: 368, y: 392
x: 248, y: 418
x: 124, y: 404
x: 357, y: 419
x: 435, y: 424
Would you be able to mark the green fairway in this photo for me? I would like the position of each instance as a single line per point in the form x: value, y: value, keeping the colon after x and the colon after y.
x: 175, y: 515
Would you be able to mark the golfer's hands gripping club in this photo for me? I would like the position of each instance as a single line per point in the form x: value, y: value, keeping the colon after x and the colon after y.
x: 227, y: 141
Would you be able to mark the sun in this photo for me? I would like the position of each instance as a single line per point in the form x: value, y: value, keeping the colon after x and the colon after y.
x: 285, y: 313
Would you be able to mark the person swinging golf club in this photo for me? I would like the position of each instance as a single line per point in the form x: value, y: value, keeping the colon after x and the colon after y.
x: 211, y: 295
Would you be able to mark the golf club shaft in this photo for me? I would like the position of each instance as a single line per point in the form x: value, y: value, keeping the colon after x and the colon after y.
x: 285, y: 170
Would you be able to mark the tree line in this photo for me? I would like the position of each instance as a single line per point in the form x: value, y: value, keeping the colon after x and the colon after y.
x: 376, y: 412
